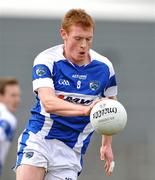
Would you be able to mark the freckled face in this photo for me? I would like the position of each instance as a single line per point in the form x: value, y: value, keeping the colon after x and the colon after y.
x: 77, y: 43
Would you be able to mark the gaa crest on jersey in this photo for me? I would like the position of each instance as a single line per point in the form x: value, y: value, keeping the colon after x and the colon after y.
x: 29, y: 154
x: 68, y: 178
x: 40, y: 71
x: 94, y: 85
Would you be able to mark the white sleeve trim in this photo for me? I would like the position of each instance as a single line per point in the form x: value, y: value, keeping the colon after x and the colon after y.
x: 111, y: 91
x: 42, y: 82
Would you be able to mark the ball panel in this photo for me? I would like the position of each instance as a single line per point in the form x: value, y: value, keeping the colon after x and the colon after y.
x: 108, y: 117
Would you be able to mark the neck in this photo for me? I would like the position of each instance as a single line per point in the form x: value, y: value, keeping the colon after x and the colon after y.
x: 77, y: 62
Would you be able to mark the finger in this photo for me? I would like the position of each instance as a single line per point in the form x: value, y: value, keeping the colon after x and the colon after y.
x: 106, y: 167
x: 111, y: 168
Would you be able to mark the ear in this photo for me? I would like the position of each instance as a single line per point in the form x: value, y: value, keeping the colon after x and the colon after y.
x: 63, y: 34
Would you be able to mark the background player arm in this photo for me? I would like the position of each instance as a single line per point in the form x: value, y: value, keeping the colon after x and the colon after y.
x: 6, y: 130
x: 3, y: 136
x: 106, y: 149
x: 53, y: 104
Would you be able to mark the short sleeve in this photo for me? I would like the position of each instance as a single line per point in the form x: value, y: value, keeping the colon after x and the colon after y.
x: 42, y: 72
x: 111, y: 87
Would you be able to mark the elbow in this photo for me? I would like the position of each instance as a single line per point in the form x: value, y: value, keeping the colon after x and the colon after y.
x: 48, y: 109
x: 48, y: 106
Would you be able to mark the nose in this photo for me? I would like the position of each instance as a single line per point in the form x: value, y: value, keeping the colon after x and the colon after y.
x: 83, y: 43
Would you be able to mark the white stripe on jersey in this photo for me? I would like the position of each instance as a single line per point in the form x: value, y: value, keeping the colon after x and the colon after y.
x: 77, y: 95
x: 82, y: 136
x: 46, y: 127
x: 43, y: 112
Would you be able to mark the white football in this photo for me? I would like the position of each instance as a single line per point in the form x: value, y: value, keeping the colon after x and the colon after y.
x: 108, y: 117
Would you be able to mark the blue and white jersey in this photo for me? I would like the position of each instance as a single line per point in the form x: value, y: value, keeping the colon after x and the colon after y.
x: 7, y: 127
x: 73, y: 83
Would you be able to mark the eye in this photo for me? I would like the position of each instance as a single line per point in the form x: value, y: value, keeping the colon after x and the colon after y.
x: 89, y: 39
x: 77, y: 38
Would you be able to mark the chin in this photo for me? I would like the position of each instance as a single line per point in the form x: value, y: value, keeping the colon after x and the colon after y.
x: 81, y: 58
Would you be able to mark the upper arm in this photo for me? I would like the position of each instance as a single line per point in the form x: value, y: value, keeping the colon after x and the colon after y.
x: 111, y: 86
x: 42, y: 73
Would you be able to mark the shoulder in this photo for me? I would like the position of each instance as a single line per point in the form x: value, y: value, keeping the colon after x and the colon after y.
x: 50, y: 55
x: 100, y: 58
x: 6, y: 115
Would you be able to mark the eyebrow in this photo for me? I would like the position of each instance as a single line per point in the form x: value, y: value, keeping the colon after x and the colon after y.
x: 82, y: 36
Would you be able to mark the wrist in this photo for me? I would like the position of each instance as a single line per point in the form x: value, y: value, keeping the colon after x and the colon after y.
x: 86, y: 110
x: 107, y: 145
x: 106, y: 140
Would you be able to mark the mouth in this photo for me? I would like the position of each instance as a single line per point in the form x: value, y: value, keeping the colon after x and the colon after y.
x: 82, y: 53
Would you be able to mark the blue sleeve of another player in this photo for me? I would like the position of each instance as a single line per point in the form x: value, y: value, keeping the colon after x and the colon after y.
x: 9, y: 132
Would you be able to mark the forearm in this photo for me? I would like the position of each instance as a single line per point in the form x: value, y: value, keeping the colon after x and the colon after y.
x: 55, y: 105
x: 106, y: 140
x: 74, y: 112
x: 61, y: 107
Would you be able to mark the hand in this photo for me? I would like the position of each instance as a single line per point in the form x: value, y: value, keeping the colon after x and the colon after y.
x: 87, y: 109
x: 107, y: 155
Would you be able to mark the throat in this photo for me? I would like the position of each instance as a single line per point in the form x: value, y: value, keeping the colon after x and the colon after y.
x: 81, y: 61
x: 78, y: 62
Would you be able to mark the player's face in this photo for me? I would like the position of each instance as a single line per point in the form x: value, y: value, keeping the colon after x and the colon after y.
x: 77, y: 42
x: 11, y: 97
